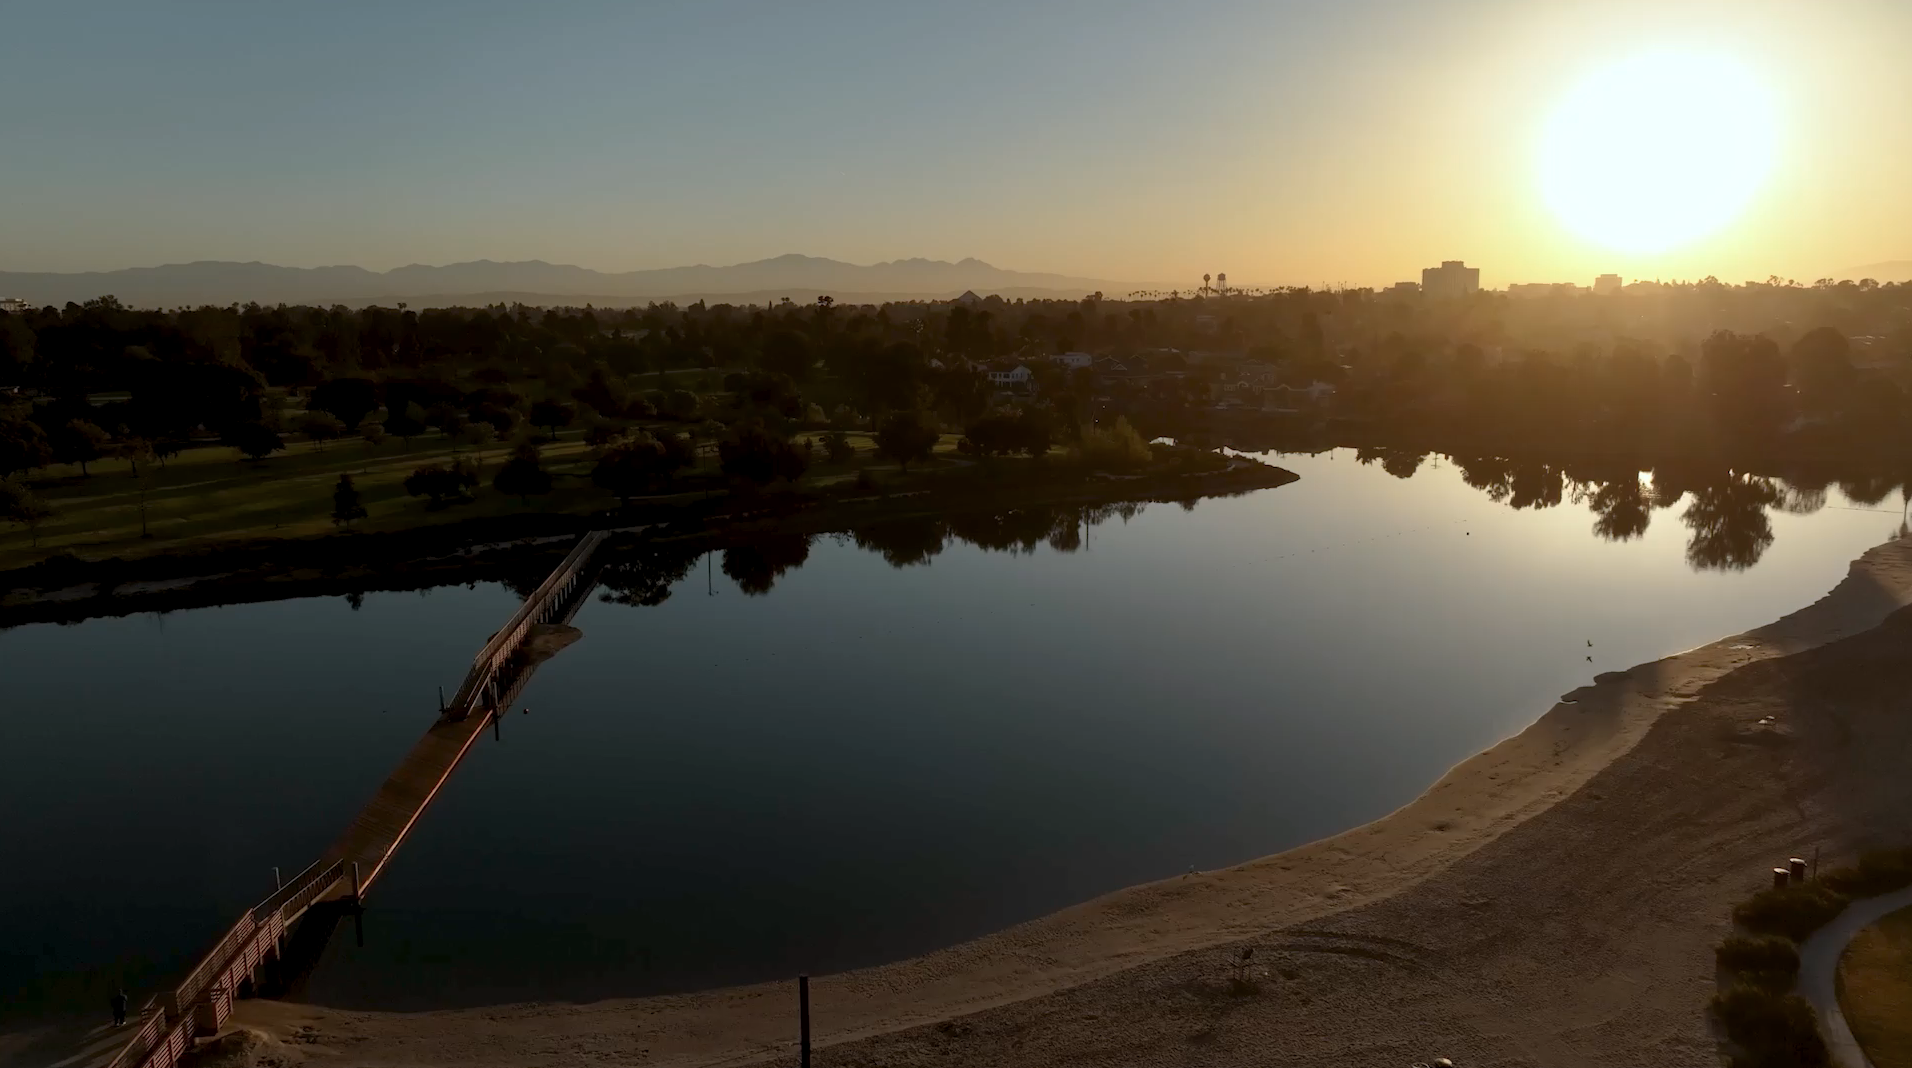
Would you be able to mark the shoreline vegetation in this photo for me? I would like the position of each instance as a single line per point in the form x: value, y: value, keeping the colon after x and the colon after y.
x: 1478, y: 903
x: 517, y: 548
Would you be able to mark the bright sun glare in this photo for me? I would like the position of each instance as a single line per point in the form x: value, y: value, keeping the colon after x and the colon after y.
x: 1658, y: 150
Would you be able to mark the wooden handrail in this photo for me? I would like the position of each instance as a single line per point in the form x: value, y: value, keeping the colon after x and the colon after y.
x: 167, y: 1021
x: 485, y: 664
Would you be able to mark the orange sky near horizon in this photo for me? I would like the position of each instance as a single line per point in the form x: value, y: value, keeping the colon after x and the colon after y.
x: 1285, y: 142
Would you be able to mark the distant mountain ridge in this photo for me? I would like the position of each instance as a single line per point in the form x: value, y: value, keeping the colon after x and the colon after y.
x: 803, y: 277
x: 1888, y: 271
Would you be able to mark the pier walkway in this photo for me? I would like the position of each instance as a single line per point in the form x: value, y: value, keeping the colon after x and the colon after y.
x: 254, y: 947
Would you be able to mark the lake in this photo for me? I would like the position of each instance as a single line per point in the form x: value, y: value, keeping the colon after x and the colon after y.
x: 797, y: 756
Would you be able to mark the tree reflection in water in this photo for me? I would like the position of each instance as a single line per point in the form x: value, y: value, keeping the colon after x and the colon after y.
x: 1729, y: 526
x: 756, y: 565
x: 1727, y: 515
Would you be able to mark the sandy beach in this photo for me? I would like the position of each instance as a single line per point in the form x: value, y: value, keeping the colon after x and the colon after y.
x: 1551, y: 901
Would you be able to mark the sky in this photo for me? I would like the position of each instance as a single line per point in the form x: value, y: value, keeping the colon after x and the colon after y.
x: 1343, y: 143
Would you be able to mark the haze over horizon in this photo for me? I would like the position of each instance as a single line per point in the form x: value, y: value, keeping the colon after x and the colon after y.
x: 1283, y: 143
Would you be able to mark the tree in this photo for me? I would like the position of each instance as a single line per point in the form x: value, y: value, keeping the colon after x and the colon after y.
x: 523, y: 476
x: 442, y: 483
x: 79, y: 442
x: 602, y: 394
x: 641, y: 466
x: 407, y: 422
x: 992, y: 435
x: 679, y: 405
x: 551, y: 415
x: 602, y: 434
x: 320, y: 427
x: 786, y: 352
x: 345, y: 503
x: 837, y: 447
x: 350, y: 399
x: 256, y: 440
x: 907, y: 437
x: 753, y: 454
x: 133, y: 451
x: 1034, y: 432
x: 23, y: 446
x: 1822, y: 367
x: 18, y: 504
x: 1747, y: 379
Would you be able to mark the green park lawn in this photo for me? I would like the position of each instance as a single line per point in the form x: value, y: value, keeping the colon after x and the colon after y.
x: 209, y: 495
x: 1875, y: 990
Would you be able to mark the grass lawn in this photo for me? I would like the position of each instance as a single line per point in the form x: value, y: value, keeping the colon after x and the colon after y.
x: 1875, y: 990
x: 208, y: 494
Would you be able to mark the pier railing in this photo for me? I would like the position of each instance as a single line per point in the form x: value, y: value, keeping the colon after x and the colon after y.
x: 202, y: 1001
x: 537, y: 608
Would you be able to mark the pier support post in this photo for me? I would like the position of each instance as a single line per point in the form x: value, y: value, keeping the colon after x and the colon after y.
x: 1796, y: 867
x: 358, y: 906
x: 803, y: 1018
x: 1781, y: 877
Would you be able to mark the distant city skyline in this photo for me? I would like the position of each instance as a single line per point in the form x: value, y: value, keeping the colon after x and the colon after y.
x: 1286, y: 142
x: 781, y: 279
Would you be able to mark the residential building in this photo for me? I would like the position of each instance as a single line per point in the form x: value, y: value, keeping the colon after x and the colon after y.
x: 1544, y: 289
x: 1073, y: 360
x: 1453, y: 278
x: 14, y: 306
x: 1018, y: 377
x: 1607, y: 283
x: 1403, y: 289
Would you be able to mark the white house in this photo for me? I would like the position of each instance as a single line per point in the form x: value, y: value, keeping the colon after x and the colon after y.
x: 1018, y: 377
x: 1073, y: 360
x: 14, y: 306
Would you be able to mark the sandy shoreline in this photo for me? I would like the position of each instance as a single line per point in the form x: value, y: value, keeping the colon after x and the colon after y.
x: 1015, y: 994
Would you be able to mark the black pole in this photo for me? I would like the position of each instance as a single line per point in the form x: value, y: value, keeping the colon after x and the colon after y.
x: 497, y: 733
x: 803, y: 1015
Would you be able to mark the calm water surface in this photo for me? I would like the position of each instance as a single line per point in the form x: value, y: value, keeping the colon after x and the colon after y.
x: 864, y: 763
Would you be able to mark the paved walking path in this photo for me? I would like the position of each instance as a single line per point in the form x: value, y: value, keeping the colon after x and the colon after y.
x: 1819, y: 970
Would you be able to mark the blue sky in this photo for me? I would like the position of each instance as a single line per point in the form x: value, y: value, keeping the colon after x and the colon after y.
x: 1294, y: 141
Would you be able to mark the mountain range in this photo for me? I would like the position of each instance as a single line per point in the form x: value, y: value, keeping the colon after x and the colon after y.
x: 801, y: 278
x: 1889, y: 271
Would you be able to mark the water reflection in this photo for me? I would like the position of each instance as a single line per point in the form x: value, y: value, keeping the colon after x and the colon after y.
x: 642, y: 575
x: 1727, y: 514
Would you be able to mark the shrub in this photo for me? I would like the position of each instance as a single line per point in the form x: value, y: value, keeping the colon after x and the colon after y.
x: 1117, y: 448
x: 1760, y: 960
x: 1771, y: 1029
x: 1791, y: 911
x: 442, y: 483
x: 1878, y: 872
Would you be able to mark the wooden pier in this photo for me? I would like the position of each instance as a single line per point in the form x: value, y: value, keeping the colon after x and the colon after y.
x: 169, y: 1023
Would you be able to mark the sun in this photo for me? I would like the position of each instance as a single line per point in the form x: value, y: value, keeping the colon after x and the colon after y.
x: 1658, y: 150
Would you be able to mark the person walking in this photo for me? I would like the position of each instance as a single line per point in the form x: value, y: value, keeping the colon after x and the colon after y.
x: 119, y: 1007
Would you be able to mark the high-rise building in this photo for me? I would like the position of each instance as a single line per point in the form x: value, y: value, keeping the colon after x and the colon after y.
x: 1607, y: 283
x: 1453, y: 278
